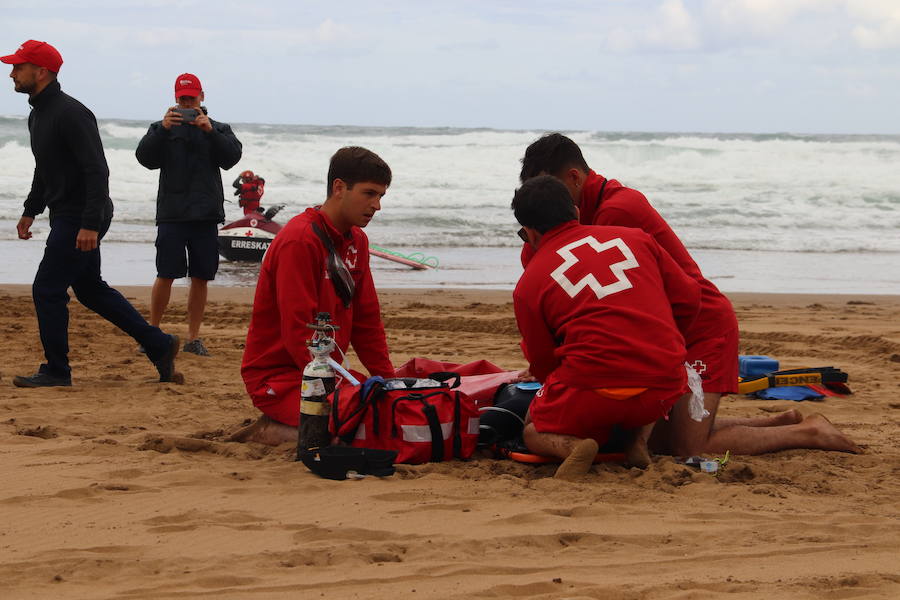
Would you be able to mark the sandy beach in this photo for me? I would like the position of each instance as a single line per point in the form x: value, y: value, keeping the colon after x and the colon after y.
x: 120, y: 487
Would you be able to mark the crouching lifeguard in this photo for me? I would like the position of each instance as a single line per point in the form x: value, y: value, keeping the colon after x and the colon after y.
x: 601, y: 311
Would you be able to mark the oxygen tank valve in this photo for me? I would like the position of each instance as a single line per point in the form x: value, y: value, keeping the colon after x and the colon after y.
x: 318, y: 382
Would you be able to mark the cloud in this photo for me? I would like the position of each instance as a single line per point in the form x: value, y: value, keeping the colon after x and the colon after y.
x: 329, y: 31
x: 881, y: 23
x: 762, y: 17
x: 671, y: 27
x: 675, y: 28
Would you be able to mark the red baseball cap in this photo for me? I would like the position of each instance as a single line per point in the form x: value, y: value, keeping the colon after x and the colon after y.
x: 187, y: 84
x: 37, y: 53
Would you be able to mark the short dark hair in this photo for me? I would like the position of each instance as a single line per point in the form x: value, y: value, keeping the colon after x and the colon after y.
x: 542, y: 203
x: 354, y: 164
x: 552, y: 154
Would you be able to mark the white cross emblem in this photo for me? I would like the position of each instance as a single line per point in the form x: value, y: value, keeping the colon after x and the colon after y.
x: 618, y: 269
x: 350, y: 257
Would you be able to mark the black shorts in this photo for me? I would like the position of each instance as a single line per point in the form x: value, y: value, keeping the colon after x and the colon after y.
x: 187, y: 249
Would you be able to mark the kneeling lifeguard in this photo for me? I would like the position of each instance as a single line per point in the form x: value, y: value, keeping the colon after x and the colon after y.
x: 318, y: 263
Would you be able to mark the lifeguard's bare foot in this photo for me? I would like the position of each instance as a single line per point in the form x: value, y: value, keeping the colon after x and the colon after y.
x: 579, y: 461
x: 828, y: 437
x: 636, y: 452
x: 265, y: 431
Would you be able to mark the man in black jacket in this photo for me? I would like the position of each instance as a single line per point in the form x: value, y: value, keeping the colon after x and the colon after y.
x: 188, y: 148
x: 71, y: 178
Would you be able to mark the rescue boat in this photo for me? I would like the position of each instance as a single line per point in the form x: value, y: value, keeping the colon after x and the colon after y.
x: 248, y: 238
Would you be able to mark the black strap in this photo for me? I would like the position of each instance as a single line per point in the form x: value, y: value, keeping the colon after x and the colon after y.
x: 457, y: 425
x: 437, y: 435
x: 337, y: 270
x: 600, y: 193
x: 365, y: 402
x: 336, y: 421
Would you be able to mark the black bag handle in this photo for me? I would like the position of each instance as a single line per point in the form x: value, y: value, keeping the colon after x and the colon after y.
x: 431, y: 416
x: 416, y: 396
x: 444, y: 376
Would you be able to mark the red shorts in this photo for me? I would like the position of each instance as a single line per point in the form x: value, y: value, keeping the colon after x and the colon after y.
x: 278, y: 397
x: 589, y: 413
x: 715, y: 358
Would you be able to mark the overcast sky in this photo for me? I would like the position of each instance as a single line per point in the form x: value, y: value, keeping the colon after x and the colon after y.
x: 804, y: 66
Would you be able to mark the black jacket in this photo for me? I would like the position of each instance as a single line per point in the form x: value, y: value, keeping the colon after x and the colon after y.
x: 71, y: 177
x: 189, y: 159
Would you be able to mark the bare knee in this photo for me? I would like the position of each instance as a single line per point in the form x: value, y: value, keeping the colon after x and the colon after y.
x: 548, y: 444
x: 530, y: 435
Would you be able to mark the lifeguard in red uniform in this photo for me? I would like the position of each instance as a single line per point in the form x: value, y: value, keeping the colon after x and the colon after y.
x: 249, y: 188
x: 319, y: 262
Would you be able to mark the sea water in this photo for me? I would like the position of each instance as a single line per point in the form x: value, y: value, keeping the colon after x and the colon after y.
x: 772, y: 212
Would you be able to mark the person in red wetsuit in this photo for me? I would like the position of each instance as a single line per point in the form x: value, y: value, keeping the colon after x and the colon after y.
x: 249, y: 188
x: 712, y: 340
x: 297, y: 281
x: 601, y: 311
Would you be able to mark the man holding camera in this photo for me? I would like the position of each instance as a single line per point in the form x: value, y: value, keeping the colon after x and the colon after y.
x: 188, y: 148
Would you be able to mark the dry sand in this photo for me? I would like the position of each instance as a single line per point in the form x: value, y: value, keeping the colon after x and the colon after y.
x: 120, y: 487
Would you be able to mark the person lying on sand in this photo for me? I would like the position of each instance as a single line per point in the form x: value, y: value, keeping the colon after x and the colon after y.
x: 711, y: 340
x: 318, y: 263
x: 601, y: 311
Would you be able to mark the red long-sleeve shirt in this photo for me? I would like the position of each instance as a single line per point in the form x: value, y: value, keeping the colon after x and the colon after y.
x: 293, y: 287
x: 604, y: 307
x: 627, y: 207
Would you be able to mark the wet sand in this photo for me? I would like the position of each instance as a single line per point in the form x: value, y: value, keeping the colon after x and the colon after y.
x: 120, y: 487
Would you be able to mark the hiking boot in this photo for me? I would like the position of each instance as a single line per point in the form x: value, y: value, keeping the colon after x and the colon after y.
x: 195, y: 347
x: 41, y: 380
x: 166, y: 364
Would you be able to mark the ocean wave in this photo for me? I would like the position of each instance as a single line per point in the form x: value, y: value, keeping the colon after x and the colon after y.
x: 452, y: 186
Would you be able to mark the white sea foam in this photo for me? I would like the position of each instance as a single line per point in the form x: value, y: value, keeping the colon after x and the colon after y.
x: 452, y: 187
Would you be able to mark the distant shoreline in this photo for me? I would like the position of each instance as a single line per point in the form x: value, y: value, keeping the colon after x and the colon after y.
x: 141, y: 293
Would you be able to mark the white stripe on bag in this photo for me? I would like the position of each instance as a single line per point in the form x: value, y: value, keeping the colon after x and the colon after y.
x: 422, y: 433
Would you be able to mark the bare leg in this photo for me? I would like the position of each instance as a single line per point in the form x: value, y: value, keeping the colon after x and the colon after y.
x: 577, y: 454
x: 636, y: 452
x: 682, y: 436
x: 159, y: 299
x: 788, y: 417
x: 579, y: 461
x: 265, y: 431
x: 815, y: 432
x: 196, y: 306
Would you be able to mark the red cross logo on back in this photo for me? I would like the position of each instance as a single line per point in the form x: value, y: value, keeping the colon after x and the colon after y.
x: 699, y: 366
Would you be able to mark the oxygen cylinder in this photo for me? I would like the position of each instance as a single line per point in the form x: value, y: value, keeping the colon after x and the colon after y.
x: 318, y: 382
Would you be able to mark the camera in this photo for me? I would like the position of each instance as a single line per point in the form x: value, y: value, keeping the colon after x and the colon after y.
x: 187, y: 114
